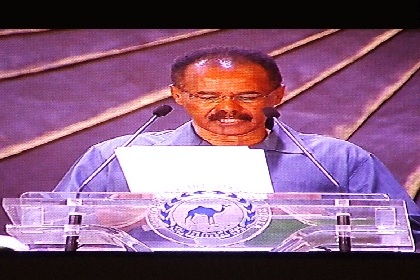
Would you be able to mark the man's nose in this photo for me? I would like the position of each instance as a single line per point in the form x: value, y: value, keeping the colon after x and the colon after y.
x: 229, y: 103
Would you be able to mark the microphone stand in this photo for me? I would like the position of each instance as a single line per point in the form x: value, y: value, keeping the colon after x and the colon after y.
x: 72, y: 229
x: 159, y: 112
x: 343, y: 219
x: 273, y: 113
x: 343, y: 230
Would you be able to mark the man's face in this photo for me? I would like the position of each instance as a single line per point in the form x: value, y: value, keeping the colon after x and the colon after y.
x: 210, y: 96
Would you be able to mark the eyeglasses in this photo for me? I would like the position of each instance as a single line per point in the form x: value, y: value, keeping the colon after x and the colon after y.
x: 217, y: 97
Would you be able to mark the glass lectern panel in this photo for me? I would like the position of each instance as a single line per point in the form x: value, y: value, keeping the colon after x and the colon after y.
x: 210, y: 221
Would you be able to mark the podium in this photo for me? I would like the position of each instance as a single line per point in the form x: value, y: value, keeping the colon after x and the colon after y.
x: 210, y: 221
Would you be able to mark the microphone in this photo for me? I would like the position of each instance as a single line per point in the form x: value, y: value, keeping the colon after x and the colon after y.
x: 161, y: 111
x: 272, y: 113
x: 75, y: 218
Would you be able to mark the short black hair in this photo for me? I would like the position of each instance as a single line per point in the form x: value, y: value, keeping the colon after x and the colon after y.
x: 233, y: 52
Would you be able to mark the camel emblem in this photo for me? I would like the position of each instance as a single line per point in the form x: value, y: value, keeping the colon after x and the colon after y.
x: 206, y: 211
x: 208, y: 218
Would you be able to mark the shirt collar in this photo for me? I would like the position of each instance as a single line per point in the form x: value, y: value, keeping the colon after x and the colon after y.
x: 276, y: 140
x: 185, y: 135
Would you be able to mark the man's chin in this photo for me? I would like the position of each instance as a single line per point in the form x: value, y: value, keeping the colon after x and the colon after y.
x: 230, y: 130
x: 226, y: 129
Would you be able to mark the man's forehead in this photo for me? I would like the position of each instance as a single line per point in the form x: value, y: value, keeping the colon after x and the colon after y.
x: 221, y: 62
x: 224, y: 64
x: 219, y: 75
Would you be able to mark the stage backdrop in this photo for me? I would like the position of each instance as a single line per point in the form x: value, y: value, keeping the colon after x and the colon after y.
x: 63, y: 90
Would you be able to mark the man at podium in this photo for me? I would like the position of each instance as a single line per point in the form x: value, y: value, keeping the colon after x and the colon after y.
x: 231, y: 95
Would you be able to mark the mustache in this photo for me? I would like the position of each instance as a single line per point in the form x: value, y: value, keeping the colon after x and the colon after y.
x: 234, y: 115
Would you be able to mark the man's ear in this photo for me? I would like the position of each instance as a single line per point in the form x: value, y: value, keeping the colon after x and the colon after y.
x: 277, y: 95
x: 176, y: 94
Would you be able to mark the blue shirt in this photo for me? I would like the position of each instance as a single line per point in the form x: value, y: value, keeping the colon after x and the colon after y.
x: 356, y: 170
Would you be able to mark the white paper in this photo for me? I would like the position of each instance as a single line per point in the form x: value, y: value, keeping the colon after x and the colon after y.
x: 191, y: 168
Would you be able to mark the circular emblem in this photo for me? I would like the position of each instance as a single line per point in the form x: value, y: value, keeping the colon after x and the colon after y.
x: 209, y: 218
